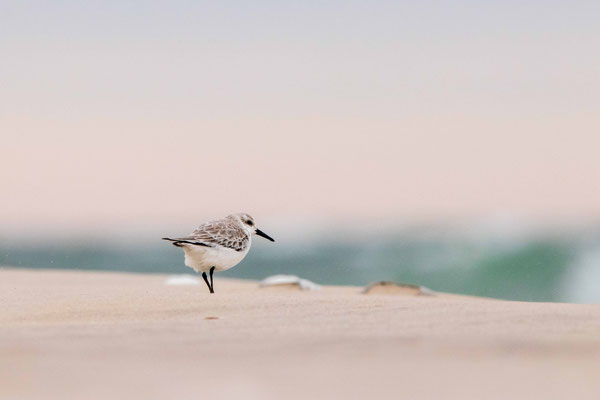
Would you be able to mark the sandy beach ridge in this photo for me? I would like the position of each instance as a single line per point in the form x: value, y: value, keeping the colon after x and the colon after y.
x: 118, y: 335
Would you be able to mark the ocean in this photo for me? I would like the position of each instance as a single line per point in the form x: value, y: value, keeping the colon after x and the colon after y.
x: 538, y: 265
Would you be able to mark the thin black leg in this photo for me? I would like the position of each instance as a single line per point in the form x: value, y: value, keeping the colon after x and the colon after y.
x: 206, y: 280
x: 212, y: 287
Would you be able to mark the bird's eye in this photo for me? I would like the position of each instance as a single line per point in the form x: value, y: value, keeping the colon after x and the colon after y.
x: 250, y: 222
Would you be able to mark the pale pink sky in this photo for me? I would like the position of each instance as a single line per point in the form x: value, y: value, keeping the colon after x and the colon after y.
x: 109, y: 118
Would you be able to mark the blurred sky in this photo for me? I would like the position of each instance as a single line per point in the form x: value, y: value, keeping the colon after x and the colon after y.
x: 123, y: 112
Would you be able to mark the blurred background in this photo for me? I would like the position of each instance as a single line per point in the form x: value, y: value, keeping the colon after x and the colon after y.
x: 448, y: 144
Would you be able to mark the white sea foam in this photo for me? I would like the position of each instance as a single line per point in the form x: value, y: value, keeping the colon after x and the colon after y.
x: 183, y: 279
x: 581, y: 285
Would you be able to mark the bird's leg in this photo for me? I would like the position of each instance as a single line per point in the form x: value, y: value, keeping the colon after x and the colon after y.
x: 212, y: 287
x: 206, y: 280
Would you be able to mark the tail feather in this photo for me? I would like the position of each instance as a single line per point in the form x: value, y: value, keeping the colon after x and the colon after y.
x: 181, y: 242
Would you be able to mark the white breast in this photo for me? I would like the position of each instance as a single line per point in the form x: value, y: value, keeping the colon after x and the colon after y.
x: 202, y: 259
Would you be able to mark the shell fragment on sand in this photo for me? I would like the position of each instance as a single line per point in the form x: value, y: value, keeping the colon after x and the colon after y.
x: 183, y: 279
x: 289, y: 280
x: 388, y: 287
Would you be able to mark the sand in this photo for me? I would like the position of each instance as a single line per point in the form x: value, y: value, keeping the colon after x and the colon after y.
x: 96, y: 335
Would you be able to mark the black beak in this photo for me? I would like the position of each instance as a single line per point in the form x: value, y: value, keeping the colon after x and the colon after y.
x: 261, y: 233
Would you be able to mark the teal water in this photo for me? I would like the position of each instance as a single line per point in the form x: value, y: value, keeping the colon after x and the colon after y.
x: 539, y: 268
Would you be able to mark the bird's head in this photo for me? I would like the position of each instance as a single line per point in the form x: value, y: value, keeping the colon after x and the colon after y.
x: 247, y: 223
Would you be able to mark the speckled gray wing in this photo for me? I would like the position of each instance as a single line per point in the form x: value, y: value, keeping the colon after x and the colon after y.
x: 217, y: 233
x: 221, y: 233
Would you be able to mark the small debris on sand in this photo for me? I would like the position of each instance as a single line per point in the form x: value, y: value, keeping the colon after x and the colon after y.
x: 291, y: 281
x: 388, y: 287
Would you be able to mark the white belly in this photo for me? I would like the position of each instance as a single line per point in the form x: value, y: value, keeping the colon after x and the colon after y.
x: 202, y: 259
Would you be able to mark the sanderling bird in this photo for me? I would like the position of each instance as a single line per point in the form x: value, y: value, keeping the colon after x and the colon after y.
x: 218, y: 245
